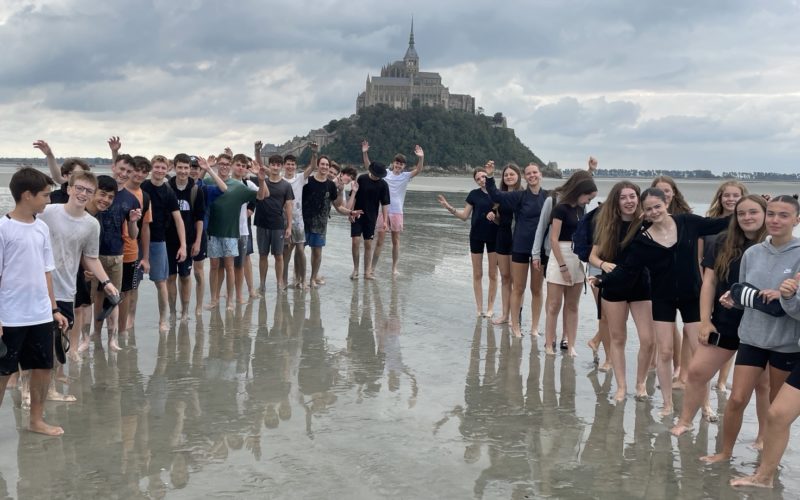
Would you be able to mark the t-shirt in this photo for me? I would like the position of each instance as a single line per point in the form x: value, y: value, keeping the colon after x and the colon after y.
x: 244, y: 217
x: 60, y: 195
x: 317, y: 199
x: 481, y: 228
x: 25, y: 256
x: 164, y: 202
x: 223, y: 220
x: 114, y: 223
x: 569, y: 217
x: 190, y: 214
x: 269, y: 211
x: 726, y: 321
x: 130, y: 251
x: 70, y: 237
x: 370, y: 196
x: 297, y: 182
x: 397, y: 190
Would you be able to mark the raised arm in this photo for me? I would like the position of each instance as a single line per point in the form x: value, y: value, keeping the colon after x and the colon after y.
x: 461, y: 214
x: 420, y: 160
x: 312, y: 164
x: 114, y: 144
x: 210, y: 171
x: 55, y: 171
x: 263, y: 190
x: 365, y: 154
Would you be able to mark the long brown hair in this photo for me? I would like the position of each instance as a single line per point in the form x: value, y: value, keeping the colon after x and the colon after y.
x: 516, y: 187
x: 733, y: 239
x: 608, y: 221
x: 636, y: 225
x: 716, y: 209
x: 678, y: 204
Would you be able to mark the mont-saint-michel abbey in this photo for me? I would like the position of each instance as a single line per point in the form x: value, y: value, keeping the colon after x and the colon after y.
x: 402, y: 85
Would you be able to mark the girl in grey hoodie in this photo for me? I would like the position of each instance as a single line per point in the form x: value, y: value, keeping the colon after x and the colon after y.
x: 765, y: 339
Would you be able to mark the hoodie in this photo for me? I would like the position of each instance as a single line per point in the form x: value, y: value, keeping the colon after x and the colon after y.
x: 766, y: 266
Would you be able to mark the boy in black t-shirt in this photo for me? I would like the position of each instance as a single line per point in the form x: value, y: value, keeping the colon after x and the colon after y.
x: 191, y: 202
x: 164, y: 206
x: 272, y: 229
x: 372, y: 198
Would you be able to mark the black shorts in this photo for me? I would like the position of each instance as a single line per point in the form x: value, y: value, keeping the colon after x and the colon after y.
x: 666, y: 310
x: 29, y: 347
x: 476, y: 246
x: 794, y: 377
x: 182, y: 269
x: 363, y: 227
x: 67, y: 310
x: 83, y: 294
x: 504, y: 241
x: 640, y: 291
x: 750, y: 355
x: 203, y: 253
x: 521, y: 258
x: 132, y: 275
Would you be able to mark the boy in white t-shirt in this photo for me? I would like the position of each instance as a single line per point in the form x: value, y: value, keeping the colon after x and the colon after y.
x: 28, y: 310
x: 398, y: 180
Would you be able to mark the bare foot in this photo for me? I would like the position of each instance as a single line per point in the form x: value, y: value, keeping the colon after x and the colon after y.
x: 721, y: 387
x: 666, y: 411
x: 48, y: 430
x: 605, y: 366
x: 489, y: 313
x: 619, y: 396
x: 395, y: 272
x: 369, y: 276
x: 572, y: 353
x: 680, y: 429
x: 83, y: 346
x: 499, y: 321
x: 354, y: 275
x: 758, y: 444
x: 548, y: 349
x: 676, y: 375
x: 212, y: 304
x: 709, y: 415
x: 515, y: 331
x: 641, y: 392
x: 713, y: 459
x: 63, y: 378
x: 754, y: 480
x: 230, y: 306
x: 678, y: 385
x: 198, y: 311
x: 54, y: 395
x: 593, y: 346
x: 321, y: 281
x: 163, y: 326
x: 113, y: 343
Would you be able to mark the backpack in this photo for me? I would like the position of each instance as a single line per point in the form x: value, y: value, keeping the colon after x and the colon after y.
x: 583, y: 237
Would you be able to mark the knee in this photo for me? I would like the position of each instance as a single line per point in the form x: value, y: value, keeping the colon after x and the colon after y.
x: 505, y: 277
x: 737, y: 403
x: 477, y: 275
x: 777, y: 419
x: 696, y: 375
x: 553, y: 307
x: 571, y: 307
x: 665, y: 354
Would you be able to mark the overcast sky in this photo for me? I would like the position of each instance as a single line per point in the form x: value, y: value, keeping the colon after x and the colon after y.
x: 680, y: 84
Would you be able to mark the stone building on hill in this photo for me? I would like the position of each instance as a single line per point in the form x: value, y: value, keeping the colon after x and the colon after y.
x: 402, y: 85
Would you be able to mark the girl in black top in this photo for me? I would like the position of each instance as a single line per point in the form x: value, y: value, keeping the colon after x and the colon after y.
x: 564, y: 272
x: 720, y: 271
x: 504, y: 218
x: 667, y: 247
x: 611, y: 225
x: 482, y: 234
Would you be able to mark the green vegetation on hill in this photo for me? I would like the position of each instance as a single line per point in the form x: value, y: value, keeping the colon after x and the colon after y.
x: 451, y: 139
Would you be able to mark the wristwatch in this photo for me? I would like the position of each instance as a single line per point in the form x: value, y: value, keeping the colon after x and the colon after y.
x: 104, y: 283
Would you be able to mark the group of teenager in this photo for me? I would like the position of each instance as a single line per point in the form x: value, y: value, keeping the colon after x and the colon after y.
x: 732, y: 275
x: 76, y: 255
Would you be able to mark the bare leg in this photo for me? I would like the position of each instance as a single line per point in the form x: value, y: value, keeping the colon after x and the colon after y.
x: 642, y: 312
x: 762, y: 407
x: 172, y: 293
x: 247, y: 269
x: 380, y: 236
x: 492, y: 273
x: 316, y: 262
x: 395, y: 252
x: 355, y: 249
x: 706, y: 361
x: 504, y: 265
x: 368, y: 250
x: 537, y: 298
x: 724, y: 373
x: 782, y: 413
x: 617, y: 317
x: 477, y: 280
x: 745, y: 379
x: 691, y: 331
x: 163, y: 306
x: 215, y: 285
x: 122, y: 322
x: 280, y: 277
x: 199, y: 290
x: 238, y: 280
x: 263, y: 267
x: 133, y: 301
x: 664, y: 339
x: 40, y: 380
x: 185, y: 285
x: 572, y: 295
x: 552, y: 308
x: 300, y: 264
x: 287, y: 256
x: 229, y: 281
x: 677, y: 336
x: 519, y: 280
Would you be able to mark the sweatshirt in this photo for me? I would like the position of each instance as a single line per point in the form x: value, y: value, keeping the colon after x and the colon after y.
x: 765, y: 267
x: 526, y: 206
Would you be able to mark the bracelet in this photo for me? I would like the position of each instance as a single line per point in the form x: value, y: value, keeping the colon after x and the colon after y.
x: 601, y: 264
x: 563, y: 265
x: 104, y: 283
x: 56, y: 310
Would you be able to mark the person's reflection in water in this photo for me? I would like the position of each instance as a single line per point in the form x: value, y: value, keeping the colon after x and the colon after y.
x: 389, y: 330
x: 134, y: 410
x: 317, y: 372
x: 366, y: 364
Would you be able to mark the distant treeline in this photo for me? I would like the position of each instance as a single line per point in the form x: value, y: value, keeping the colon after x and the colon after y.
x: 692, y: 174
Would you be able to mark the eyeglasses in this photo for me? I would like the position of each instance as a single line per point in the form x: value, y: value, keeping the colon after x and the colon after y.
x: 82, y: 189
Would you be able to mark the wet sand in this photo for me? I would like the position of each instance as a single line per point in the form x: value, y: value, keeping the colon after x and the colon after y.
x: 384, y: 389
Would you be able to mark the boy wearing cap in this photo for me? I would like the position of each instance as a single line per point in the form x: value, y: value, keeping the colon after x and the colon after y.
x: 398, y: 180
x: 372, y: 198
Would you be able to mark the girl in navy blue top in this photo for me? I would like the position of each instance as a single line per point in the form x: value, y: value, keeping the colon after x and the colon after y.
x: 482, y: 235
x: 512, y: 180
x: 527, y: 206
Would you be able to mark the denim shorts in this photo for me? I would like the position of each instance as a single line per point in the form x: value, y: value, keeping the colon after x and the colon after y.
x: 219, y: 247
x: 159, y: 263
x: 315, y: 240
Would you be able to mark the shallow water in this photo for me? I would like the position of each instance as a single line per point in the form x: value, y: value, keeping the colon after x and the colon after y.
x: 384, y: 389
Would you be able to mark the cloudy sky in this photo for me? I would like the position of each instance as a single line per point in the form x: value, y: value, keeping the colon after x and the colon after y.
x: 680, y: 84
